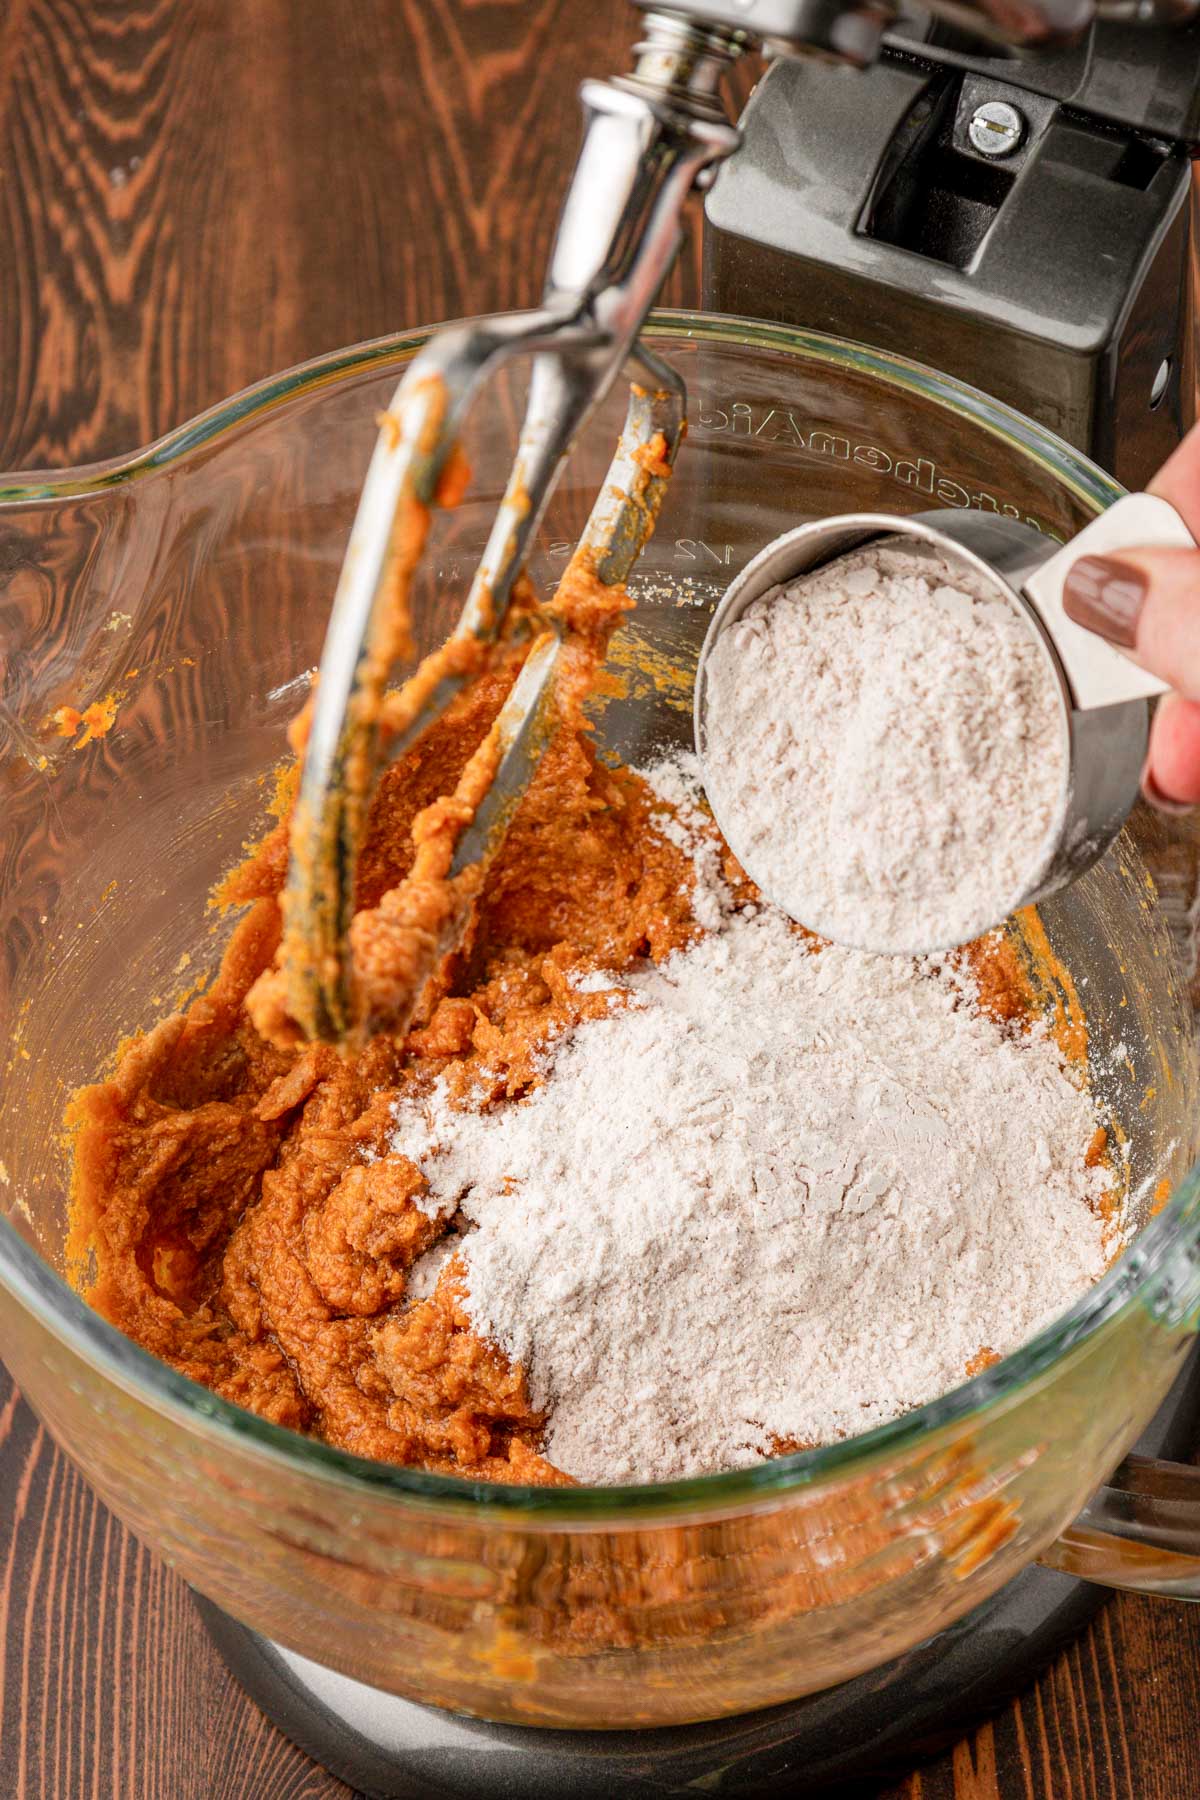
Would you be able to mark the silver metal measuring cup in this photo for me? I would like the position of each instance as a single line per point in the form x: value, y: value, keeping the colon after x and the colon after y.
x: 1105, y: 696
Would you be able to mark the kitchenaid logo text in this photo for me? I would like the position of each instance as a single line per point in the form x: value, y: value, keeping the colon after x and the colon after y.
x: 779, y: 425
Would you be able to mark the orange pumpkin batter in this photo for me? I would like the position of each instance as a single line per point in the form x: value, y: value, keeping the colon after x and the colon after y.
x: 223, y: 1214
x: 221, y: 1203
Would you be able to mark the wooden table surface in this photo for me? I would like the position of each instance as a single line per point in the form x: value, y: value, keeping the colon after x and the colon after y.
x: 194, y: 193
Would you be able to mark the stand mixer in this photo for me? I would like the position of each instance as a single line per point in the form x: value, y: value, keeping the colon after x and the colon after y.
x: 1026, y: 224
x: 293, y: 1550
x: 1021, y: 222
x: 959, y: 206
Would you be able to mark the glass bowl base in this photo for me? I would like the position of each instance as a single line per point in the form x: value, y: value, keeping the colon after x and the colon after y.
x: 878, y: 1725
x: 875, y: 1726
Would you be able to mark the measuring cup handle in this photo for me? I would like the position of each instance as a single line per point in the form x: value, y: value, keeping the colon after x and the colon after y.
x: 1140, y: 1532
x: 1098, y: 673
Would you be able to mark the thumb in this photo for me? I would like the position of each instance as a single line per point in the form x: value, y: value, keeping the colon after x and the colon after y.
x: 1147, y: 602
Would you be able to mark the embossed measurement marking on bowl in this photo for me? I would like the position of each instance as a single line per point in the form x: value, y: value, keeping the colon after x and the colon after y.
x: 1082, y: 780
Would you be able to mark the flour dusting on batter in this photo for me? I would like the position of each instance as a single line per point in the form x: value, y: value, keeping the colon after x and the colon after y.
x: 778, y: 1194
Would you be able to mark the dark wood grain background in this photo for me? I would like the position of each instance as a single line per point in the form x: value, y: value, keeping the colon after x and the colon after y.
x: 194, y: 193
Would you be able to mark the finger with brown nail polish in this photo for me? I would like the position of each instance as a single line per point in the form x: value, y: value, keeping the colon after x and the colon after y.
x: 1105, y: 596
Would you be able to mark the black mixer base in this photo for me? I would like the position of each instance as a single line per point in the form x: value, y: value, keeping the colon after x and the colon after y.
x: 877, y: 1725
x: 884, y: 1721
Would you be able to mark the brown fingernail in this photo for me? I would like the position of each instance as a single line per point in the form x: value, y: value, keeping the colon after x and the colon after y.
x: 1159, y: 801
x: 1106, y: 597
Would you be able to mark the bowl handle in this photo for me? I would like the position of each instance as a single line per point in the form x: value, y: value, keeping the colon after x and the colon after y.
x: 1140, y: 1532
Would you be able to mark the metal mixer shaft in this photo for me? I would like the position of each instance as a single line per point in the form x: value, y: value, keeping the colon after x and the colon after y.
x: 650, y: 138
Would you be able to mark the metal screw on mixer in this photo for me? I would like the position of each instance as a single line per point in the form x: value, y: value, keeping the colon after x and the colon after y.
x: 996, y: 128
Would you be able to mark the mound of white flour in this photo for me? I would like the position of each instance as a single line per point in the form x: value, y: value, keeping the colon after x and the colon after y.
x: 775, y: 1194
x: 885, y: 751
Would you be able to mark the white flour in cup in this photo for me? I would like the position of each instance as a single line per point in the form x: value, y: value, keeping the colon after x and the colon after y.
x: 886, y: 750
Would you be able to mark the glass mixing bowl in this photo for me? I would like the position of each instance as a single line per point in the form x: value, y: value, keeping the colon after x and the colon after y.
x: 185, y: 590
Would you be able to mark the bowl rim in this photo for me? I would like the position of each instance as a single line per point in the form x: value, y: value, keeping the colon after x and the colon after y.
x: 33, y: 1283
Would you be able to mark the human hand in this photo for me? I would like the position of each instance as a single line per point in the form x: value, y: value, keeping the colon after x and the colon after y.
x: 1148, y: 603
